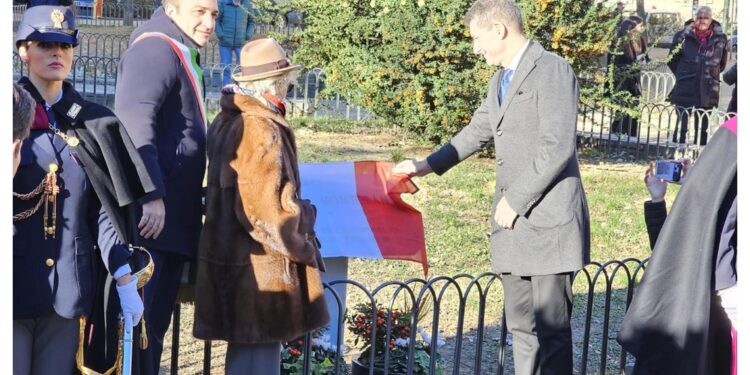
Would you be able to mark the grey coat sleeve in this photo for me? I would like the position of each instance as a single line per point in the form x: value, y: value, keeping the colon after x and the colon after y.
x: 147, y: 73
x: 557, y: 108
x: 468, y: 141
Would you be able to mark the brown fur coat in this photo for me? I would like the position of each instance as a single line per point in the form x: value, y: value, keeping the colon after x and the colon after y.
x: 258, y: 271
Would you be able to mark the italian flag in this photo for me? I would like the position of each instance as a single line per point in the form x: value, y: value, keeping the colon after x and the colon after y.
x: 360, y: 211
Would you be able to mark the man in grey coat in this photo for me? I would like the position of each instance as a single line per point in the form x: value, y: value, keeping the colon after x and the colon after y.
x: 540, y: 225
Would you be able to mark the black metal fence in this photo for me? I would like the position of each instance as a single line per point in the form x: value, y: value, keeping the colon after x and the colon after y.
x: 657, y: 130
x: 465, y: 312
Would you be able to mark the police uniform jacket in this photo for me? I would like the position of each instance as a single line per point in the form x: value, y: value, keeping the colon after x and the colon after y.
x: 97, y: 180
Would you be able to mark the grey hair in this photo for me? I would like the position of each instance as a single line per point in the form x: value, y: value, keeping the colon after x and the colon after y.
x: 23, y: 112
x: 704, y: 8
x: 257, y: 88
x: 488, y: 12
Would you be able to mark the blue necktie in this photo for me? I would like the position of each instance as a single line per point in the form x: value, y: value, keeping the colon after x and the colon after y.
x: 505, y: 82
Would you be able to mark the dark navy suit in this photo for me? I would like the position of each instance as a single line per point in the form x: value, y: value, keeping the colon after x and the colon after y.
x: 158, y: 106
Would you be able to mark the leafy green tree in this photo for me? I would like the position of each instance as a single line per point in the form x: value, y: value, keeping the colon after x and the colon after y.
x: 411, y: 61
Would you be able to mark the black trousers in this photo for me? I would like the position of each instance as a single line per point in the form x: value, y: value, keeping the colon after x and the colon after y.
x: 700, y: 120
x: 537, y: 313
x: 160, y: 295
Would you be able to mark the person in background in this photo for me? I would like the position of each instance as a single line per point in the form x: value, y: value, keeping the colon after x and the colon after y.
x: 81, y: 164
x: 631, y: 54
x: 730, y: 78
x: 234, y: 27
x: 23, y: 115
x: 159, y: 99
x: 259, y: 260
x: 702, y: 56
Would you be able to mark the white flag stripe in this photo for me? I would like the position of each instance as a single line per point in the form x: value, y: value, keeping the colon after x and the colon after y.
x: 341, y: 224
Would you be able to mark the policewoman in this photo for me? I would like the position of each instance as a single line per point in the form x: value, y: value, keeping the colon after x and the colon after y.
x: 79, y: 171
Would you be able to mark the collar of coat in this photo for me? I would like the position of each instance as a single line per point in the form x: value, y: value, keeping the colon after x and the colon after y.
x: 69, y: 107
x: 250, y: 105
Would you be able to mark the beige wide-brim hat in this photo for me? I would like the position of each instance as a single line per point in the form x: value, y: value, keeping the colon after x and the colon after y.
x: 263, y: 58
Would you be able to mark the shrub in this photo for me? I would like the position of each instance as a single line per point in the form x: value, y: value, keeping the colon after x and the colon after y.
x: 411, y: 61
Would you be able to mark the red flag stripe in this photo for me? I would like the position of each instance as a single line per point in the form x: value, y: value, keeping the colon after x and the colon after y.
x: 396, y: 226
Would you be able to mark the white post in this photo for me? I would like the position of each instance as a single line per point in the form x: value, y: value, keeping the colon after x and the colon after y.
x: 337, y: 268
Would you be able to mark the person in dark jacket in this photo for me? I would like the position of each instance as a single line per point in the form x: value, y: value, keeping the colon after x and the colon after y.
x: 234, y: 27
x: 159, y: 98
x: 78, y: 172
x: 730, y: 78
x: 702, y: 56
x: 679, y: 320
x: 631, y: 53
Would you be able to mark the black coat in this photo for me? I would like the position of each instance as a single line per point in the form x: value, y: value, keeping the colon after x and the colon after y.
x: 697, y: 71
x: 157, y: 105
x: 674, y: 324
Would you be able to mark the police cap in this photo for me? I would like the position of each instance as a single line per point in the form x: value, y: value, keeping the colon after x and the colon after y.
x: 47, y: 23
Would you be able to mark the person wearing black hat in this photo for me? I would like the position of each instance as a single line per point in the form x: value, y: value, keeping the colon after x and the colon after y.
x: 78, y: 173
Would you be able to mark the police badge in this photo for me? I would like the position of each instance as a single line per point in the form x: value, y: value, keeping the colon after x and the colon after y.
x: 57, y: 18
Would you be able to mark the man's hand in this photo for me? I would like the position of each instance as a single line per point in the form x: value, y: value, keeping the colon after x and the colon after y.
x: 412, y: 168
x: 505, y: 217
x: 152, y: 220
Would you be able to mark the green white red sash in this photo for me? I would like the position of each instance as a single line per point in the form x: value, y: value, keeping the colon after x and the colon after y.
x: 189, y: 59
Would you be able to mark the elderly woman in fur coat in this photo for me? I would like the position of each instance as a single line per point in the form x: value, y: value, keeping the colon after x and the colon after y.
x: 259, y: 261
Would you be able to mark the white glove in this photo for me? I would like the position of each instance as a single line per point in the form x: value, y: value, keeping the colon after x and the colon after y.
x: 130, y: 300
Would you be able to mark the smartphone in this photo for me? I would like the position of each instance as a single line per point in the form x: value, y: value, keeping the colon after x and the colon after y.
x: 668, y: 170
